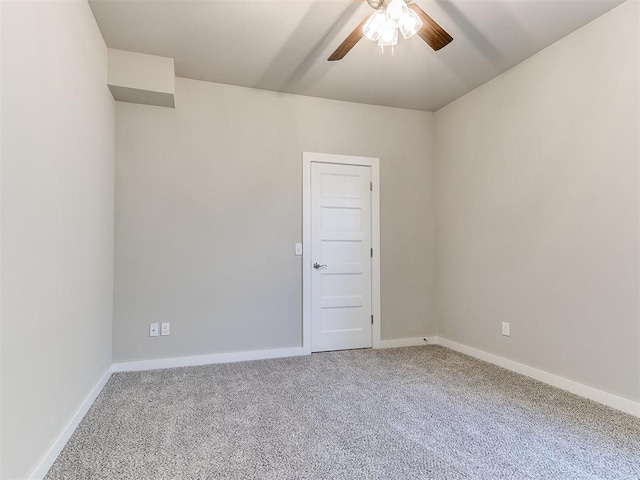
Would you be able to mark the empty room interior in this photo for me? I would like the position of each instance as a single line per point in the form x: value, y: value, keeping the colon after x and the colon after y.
x: 320, y: 239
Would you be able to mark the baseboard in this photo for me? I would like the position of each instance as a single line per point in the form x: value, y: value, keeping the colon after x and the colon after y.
x: 600, y: 396
x: 407, y: 342
x: 193, y: 361
x: 47, y: 460
x: 43, y: 466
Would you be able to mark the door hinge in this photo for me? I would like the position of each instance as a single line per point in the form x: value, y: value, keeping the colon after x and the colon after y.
x: 371, y: 319
x: 372, y: 253
x: 371, y: 186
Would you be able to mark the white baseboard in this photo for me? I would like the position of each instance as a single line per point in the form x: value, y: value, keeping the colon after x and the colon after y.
x: 43, y: 466
x: 619, y: 403
x: 45, y: 463
x: 192, y: 361
x: 407, y: 342
x: 195, y: 360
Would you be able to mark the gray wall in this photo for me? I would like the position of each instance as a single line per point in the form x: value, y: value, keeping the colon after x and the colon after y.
x: 537, y: 209
x: 209, y: 206
x: 57, y: 199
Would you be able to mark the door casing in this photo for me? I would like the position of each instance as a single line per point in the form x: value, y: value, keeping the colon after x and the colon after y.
x: 374, y: 164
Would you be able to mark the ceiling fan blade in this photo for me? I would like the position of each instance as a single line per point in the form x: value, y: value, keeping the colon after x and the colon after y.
x: 349, y: 42
x: 433, y: 34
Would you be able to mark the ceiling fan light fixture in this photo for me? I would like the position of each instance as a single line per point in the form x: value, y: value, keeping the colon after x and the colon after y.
x: 383, y: 25
x: 390, y: 16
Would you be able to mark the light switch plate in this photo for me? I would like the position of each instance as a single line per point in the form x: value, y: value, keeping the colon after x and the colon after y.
x: 153, y: 329
x: 505, y: 329
x: 298, y: 249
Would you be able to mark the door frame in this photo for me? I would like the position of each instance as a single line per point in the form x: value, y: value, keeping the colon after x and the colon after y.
x: 374, y: 163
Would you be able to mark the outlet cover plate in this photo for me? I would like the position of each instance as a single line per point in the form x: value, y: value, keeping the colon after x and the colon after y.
x: 165, y: 329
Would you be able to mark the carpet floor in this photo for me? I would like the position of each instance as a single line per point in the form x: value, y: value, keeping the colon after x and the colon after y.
x: 405, y: 413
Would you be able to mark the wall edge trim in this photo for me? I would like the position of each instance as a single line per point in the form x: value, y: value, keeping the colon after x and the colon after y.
x: 407, y: 342
x: 210, y: 359
x: 600, y: 396
x: 585, y: 391
x: 46, y: 461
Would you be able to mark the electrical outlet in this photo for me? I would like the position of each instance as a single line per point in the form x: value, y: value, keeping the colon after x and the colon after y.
x: 153, y: 329
x: 505, y: 329
x: 165, y: 329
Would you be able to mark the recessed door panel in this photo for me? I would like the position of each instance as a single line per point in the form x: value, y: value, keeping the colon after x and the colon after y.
x: 335, y: 185
x: 342, y: 251
x: 338, y: 320
x: 340, y: 219
x: 340, y: 285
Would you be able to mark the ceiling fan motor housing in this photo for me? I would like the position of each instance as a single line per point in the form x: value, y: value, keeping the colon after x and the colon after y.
x: 378, y: 4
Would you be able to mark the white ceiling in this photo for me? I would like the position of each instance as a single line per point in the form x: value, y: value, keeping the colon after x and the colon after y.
x: 283, y: 45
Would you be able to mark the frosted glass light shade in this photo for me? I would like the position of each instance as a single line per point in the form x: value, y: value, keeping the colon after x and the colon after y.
x: 396, y: 12
x: 388, y: 37
x: 411, y: 24
x: 374, y: 27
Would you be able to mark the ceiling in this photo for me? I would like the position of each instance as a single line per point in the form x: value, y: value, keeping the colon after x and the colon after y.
x: 282, y: 45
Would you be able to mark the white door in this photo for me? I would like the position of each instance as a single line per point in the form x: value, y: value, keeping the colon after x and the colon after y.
x: 341, y: 257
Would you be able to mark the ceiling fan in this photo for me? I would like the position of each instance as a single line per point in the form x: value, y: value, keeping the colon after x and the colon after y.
x: 389, y: 17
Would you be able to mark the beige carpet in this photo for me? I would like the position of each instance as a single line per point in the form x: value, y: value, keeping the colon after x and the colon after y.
x: 406, y: 413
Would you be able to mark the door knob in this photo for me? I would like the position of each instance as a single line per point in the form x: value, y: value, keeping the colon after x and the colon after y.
x: 317, y: 266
